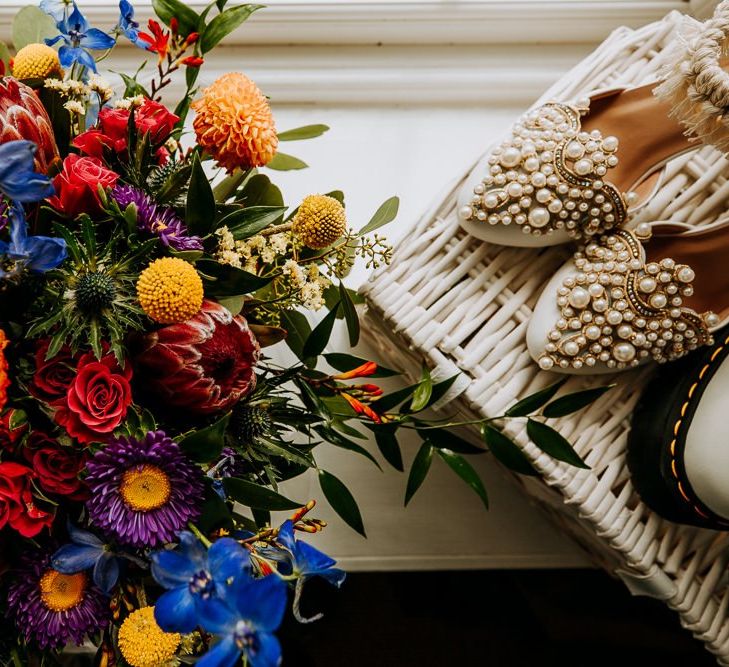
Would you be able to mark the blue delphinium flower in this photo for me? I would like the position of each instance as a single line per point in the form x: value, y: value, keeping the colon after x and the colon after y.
x: 192, y: 573
x: 84, y: 552
x: 78, y: 36
x: 57, y: 9
x: 245, y: 619
x: 306, y: 561
x: 34, y: 253
x: 128, y: 26
x: 18, y: 179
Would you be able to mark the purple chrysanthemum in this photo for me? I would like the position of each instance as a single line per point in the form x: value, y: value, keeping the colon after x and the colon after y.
x: 156, y: 219
x: 143, y: 492
x: 53, y: 608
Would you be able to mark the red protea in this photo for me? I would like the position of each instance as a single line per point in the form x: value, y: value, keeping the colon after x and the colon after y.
x: 23, y: 116
x: 203, y: 365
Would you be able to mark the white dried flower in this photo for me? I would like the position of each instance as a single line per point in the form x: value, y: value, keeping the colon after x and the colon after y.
x: 74, y: 107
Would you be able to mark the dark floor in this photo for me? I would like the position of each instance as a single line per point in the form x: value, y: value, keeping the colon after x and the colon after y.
x: 562, y: 618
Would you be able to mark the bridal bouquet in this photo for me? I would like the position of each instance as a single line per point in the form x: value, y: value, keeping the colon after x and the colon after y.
x: 145, y: 265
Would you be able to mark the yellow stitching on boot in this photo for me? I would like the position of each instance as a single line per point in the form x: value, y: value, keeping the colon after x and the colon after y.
x: 677, y: 426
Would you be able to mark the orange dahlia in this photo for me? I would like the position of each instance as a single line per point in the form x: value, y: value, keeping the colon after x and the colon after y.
x: 4, y: 380
x: 234, y: 123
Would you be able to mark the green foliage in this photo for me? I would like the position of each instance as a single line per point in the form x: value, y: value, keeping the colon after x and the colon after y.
x: 201, y: 205
x: 205, y: 444
x: 342, y: 501
x: 284, y: 162
x: 257, y: 496
x: 223, y: 24
x: 383, y: 215
x: 187, y: 18
x: 305, y: 132
x: 31, y: 25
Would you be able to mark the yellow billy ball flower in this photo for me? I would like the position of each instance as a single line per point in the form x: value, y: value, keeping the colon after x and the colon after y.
x: 234, y: 123
x: 143, y: 643
x: 319, y: 222
x: 36, y: 61
x: 170, y: 290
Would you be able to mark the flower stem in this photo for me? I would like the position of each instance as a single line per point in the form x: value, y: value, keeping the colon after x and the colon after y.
x: 196, y: 532
x: 277, y: 229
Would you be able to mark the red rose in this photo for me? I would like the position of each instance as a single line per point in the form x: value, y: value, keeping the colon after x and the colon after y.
x: 97, y: 400
x: 9, y: 437
x: 57, y: 468
x: 77, y: 186
x: 154, y: 118
x: 17, y: 507
x: 113, y: 128
x: 52, y: 378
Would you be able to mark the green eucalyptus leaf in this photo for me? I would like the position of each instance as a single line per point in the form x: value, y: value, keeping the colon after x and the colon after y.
x: 223, y: 24
x: 506, y: 451
x: 440, y: 389
x: 223, y: 280
x: 389, y: 401
x: 350, y: 315
x: 339, y: 440
x: 259, y: 191
x: 446, y: 439
x: 32, y: 25
x: 166, y: 10
x: 305, y: 132
x: 298, y: 331
x: 566, y: 405
x: 347, y: 362
x: 342, y: 501
x: 389, y: 447
x: 419, y: 470
x: 534, y: 401
x: 553, y: 443
x: 256, y: 496
x: 284, y: 162
x: 205, y: 444
x: 200, y: 209
x: 319, y: 337
x: 466, y: 472
x: 423, y: 392
x: 386, y: 213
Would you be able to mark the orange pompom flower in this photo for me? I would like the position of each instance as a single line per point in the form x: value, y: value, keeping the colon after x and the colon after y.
x: 4, y: 379
x: 234, y: 123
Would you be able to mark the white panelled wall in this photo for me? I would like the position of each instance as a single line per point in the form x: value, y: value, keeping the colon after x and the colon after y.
x: 413, y: 91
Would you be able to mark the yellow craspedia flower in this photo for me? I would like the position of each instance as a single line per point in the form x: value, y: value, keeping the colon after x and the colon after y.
x: 36, y: 61
x: 170, y: 290
x: 143, y: 643
x: 319, y: 222
x: 234, y: 123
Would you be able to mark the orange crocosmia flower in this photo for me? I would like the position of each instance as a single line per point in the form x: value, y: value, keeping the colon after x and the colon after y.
x: 158, y: 42
x: 368, y: 368
x: 361, y: 408
x: 4, y: 379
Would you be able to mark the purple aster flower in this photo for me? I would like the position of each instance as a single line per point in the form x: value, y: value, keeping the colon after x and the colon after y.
x: 143, y: 492
x: 156, y: 219
x: 53, y: 608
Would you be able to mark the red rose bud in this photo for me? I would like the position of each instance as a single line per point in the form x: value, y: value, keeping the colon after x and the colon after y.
x: 192, y: 61
x: 368, y: 368
x: 52, y: 378
x: 77, y: 186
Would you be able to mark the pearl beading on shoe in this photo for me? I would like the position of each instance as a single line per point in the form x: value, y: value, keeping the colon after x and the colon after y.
x: 550, y: 175
x: 618, y: 310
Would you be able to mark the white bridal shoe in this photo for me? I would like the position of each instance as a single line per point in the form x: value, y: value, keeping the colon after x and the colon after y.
x: 575, y: 170
x: 619, y: 303
x: 677, y: 450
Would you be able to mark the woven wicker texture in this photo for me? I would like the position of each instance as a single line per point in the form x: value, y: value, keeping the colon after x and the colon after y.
x: 459, y: 304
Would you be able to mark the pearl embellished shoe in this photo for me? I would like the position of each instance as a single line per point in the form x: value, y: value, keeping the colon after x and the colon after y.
x: 570, y: 171
x: 619, y: 303
x: 677, y: 451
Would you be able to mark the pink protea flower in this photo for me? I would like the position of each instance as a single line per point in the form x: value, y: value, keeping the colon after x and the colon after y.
x: 203, y: 365
x: 22, y: 116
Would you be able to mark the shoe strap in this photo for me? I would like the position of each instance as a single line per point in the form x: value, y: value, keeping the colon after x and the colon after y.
x: 695, y: 82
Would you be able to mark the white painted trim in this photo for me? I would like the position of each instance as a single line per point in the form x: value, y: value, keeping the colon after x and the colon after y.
x: 414, y: 21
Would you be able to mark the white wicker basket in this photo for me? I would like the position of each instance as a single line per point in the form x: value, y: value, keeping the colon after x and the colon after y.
x: 462, y: 305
